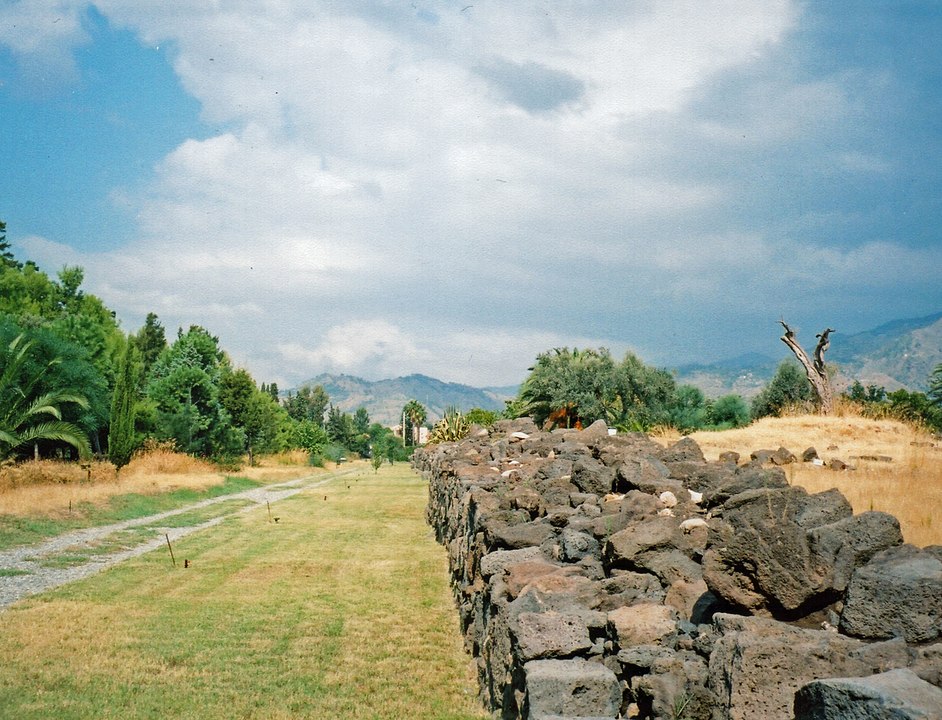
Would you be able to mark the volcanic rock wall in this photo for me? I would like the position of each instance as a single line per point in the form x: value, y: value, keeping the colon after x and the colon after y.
x: 602, y: 576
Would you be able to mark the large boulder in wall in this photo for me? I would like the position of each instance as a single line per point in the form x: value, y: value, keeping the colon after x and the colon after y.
x: 898, y: 593
x: 574, y: 689
x: 893, y: 695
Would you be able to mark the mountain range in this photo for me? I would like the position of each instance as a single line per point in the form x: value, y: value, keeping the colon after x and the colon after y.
x: 899, y: 354
x: 384, y: 399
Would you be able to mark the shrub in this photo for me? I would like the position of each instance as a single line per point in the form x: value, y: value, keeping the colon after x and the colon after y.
x: 729, y: 411
x: 479, y: 416
x: 789, y: 388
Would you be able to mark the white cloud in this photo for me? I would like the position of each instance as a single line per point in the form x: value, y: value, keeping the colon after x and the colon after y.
x: 396, y: 188
x: 380, y: 348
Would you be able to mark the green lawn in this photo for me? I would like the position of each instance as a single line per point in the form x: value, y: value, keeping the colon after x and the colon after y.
x: 339, y: 610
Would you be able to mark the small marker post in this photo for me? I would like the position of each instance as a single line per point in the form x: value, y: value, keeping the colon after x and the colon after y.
x: 172, y: 558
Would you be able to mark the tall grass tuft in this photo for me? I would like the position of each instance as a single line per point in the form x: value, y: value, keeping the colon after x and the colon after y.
x: 49, y: 472
x: 161, y: 458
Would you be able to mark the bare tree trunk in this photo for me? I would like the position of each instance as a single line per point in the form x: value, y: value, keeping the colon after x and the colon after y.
x: 816, y: 369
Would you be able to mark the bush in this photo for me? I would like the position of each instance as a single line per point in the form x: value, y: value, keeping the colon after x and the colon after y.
x: 335, y: 453
x: 309, y: 436
x: 789, y: 388
x: 688, y: 409
x: 729, y: 411
x: 479, y: 416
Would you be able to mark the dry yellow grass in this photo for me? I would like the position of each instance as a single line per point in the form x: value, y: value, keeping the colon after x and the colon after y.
x: 52, y: 487
x: 909, y: 486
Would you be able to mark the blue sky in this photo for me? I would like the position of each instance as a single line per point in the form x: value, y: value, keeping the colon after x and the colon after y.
x: 383, y: 188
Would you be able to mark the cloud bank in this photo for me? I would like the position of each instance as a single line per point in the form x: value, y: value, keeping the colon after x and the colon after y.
x: 450, y: 189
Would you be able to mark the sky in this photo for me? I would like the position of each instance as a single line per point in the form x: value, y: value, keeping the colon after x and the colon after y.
x: 450, y: 188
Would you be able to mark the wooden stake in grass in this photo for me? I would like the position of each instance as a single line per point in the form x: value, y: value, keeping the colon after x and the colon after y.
x: 269, y: 510
x: 172, y: 558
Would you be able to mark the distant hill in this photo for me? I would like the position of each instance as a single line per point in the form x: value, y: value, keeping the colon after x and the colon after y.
x: 384, y: 399
x: 899, y: 354
x: 744, y: 375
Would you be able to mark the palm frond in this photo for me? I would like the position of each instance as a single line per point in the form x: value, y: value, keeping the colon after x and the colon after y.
x: 61, y: 431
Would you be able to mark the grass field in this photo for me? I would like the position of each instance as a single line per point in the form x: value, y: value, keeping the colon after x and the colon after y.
x: 37, y: 525
x: 908, y: 485
x: 339, y: 610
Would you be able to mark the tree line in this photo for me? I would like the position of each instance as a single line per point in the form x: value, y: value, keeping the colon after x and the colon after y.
x: 73, y: 383
x: 573, y: 388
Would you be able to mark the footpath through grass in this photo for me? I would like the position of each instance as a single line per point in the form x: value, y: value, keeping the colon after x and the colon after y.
x: 16, y: 530
x: 340, y: 609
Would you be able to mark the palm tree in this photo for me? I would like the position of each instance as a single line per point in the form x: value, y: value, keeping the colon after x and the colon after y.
x: 28, y: 415
x: 415, y: 412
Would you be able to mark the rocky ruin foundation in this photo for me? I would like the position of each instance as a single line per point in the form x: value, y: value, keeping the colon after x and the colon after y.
x: 601, y: 576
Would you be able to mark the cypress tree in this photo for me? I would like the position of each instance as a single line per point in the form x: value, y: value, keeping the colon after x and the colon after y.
x: 121, y: 432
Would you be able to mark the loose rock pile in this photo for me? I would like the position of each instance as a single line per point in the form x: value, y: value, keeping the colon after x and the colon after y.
x: 602, y: 576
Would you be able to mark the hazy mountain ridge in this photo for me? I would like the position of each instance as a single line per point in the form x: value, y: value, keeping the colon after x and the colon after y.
x: 384, y: 399
x: 898, y: 354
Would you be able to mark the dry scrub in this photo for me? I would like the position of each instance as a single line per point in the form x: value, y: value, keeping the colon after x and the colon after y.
x: 909, y: 486
x: 51, y: 487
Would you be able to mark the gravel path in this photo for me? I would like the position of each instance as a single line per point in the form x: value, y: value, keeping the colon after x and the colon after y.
x: 37, y: 578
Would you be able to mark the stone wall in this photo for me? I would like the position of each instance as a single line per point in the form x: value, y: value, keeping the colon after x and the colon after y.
x: 601, y: 576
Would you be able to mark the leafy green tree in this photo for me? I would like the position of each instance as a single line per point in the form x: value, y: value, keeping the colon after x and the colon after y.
x: 184, y: 387
x: 414, y: 414
x: 310, y: 436
x: 309, y: 403
x: 376, y: 461
x: 385, y: 444
x: 71, y: 278
x: 688, y: 409
x: 29, y: 410
x: 479, y: 416
x: 151, y: 340
x: 643, y: 394
x: 729, y: 411
x: 573, y: 387
x: 360, y: 443
x: 34, y: 301
x: 253, y: 412
x: 340, y: 428
x: 6, y: 253
x: 789, y: 387
x: 866, y: 395
x: 915, y: 407
x: 121, y: 438
x: 361, y: 421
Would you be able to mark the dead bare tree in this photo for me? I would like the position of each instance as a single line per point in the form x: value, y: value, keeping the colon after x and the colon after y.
x: 814, y: 369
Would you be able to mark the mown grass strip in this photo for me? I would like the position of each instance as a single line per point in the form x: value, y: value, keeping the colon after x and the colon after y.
x: 131, y: 537
x: 16, y: 531
x: 339, y: 610
x: 12, y: 572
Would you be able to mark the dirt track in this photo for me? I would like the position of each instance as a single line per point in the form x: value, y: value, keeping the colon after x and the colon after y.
x: 33, y: 560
